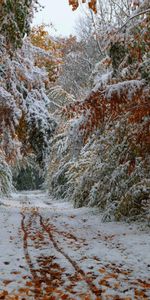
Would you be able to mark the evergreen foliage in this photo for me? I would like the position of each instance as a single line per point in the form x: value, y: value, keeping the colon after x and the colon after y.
x: 15, y: 20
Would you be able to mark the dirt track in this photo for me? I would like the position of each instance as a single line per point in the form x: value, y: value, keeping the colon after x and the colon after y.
x: 59, y: 259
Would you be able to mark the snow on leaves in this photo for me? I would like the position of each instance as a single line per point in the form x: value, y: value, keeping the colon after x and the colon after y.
x: 104, y: 143
x: 25, y: 121
x: 15, y: 20
x: 102, y: 105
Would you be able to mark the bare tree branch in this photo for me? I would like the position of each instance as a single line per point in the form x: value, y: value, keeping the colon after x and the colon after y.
x: 134, y: 16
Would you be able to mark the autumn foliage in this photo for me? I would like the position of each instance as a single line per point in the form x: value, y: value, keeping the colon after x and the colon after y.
x: 121, y: 97
x: 107, y: 105
x: 104, y: 139
x: 80, y: 107
x: 91, y: 4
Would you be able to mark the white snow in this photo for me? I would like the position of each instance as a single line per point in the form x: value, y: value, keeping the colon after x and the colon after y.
x: 113, y: 256
x: 129, y: 86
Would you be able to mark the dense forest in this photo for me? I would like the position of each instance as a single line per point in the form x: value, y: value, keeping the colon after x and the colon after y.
x: 75, y: 111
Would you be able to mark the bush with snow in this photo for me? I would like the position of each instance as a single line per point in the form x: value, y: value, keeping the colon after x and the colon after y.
x: 103, y: 140
x: 5, y: 177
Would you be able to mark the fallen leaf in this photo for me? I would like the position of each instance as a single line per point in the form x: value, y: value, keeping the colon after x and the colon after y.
x: 3, y: 294
x: 6, y: 282
x: 104, y: 282
x: 102, y: 270
x: 29, y: 283
x: 63, y: 297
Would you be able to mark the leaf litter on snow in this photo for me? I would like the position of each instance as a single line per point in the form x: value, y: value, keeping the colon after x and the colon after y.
x: 69, y: 253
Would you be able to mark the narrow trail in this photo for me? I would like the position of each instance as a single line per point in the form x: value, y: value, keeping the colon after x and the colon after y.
x: 94, y: 290
x: 37, y: 280
x: 55, y: 252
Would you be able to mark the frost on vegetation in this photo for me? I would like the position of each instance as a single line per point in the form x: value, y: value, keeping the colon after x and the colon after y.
x: 41, y: 127
x: 95, y: 148
x: 60, y: 97
x: 100, y: 176
x: 7, y: 104
x: 5, y: 177
x: 15, y: 20
x: 102, y: 74
x: 109, y: 170
x: 26, y: 124
x: 129, y: 88
x: 100, y: 153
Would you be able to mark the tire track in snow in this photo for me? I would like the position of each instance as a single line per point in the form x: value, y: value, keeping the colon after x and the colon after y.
x: 30, y: 264
x: 92, y: 287
x: 36, y: 279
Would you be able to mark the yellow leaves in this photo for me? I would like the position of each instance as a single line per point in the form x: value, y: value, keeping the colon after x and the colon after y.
x: 40, y: 37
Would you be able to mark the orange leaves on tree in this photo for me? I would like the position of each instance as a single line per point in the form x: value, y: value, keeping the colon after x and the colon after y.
x: 128, y: 98
x: 41, y: 38
x: 91, y: 4
x: 74, y: 4
x: 91, y: 109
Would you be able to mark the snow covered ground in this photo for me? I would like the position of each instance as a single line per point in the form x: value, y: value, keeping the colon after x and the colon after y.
x: 49, y: 250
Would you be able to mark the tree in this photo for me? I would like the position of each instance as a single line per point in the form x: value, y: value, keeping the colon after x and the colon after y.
x: 26, y: 124
x: 50, y: 57
x: 15, y: 20
x: 101, y: 153
x: 76, y: 67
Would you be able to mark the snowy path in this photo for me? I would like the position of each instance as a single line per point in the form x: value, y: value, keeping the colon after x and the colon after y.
x: 48, y: 250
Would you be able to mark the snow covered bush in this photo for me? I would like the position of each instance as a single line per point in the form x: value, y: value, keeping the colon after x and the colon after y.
x: 23, y: 85
x: 105, y: 174
x: 5, y: 177
x: 102, y: 155
x: 26, y: 123
x: 15, y: 20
